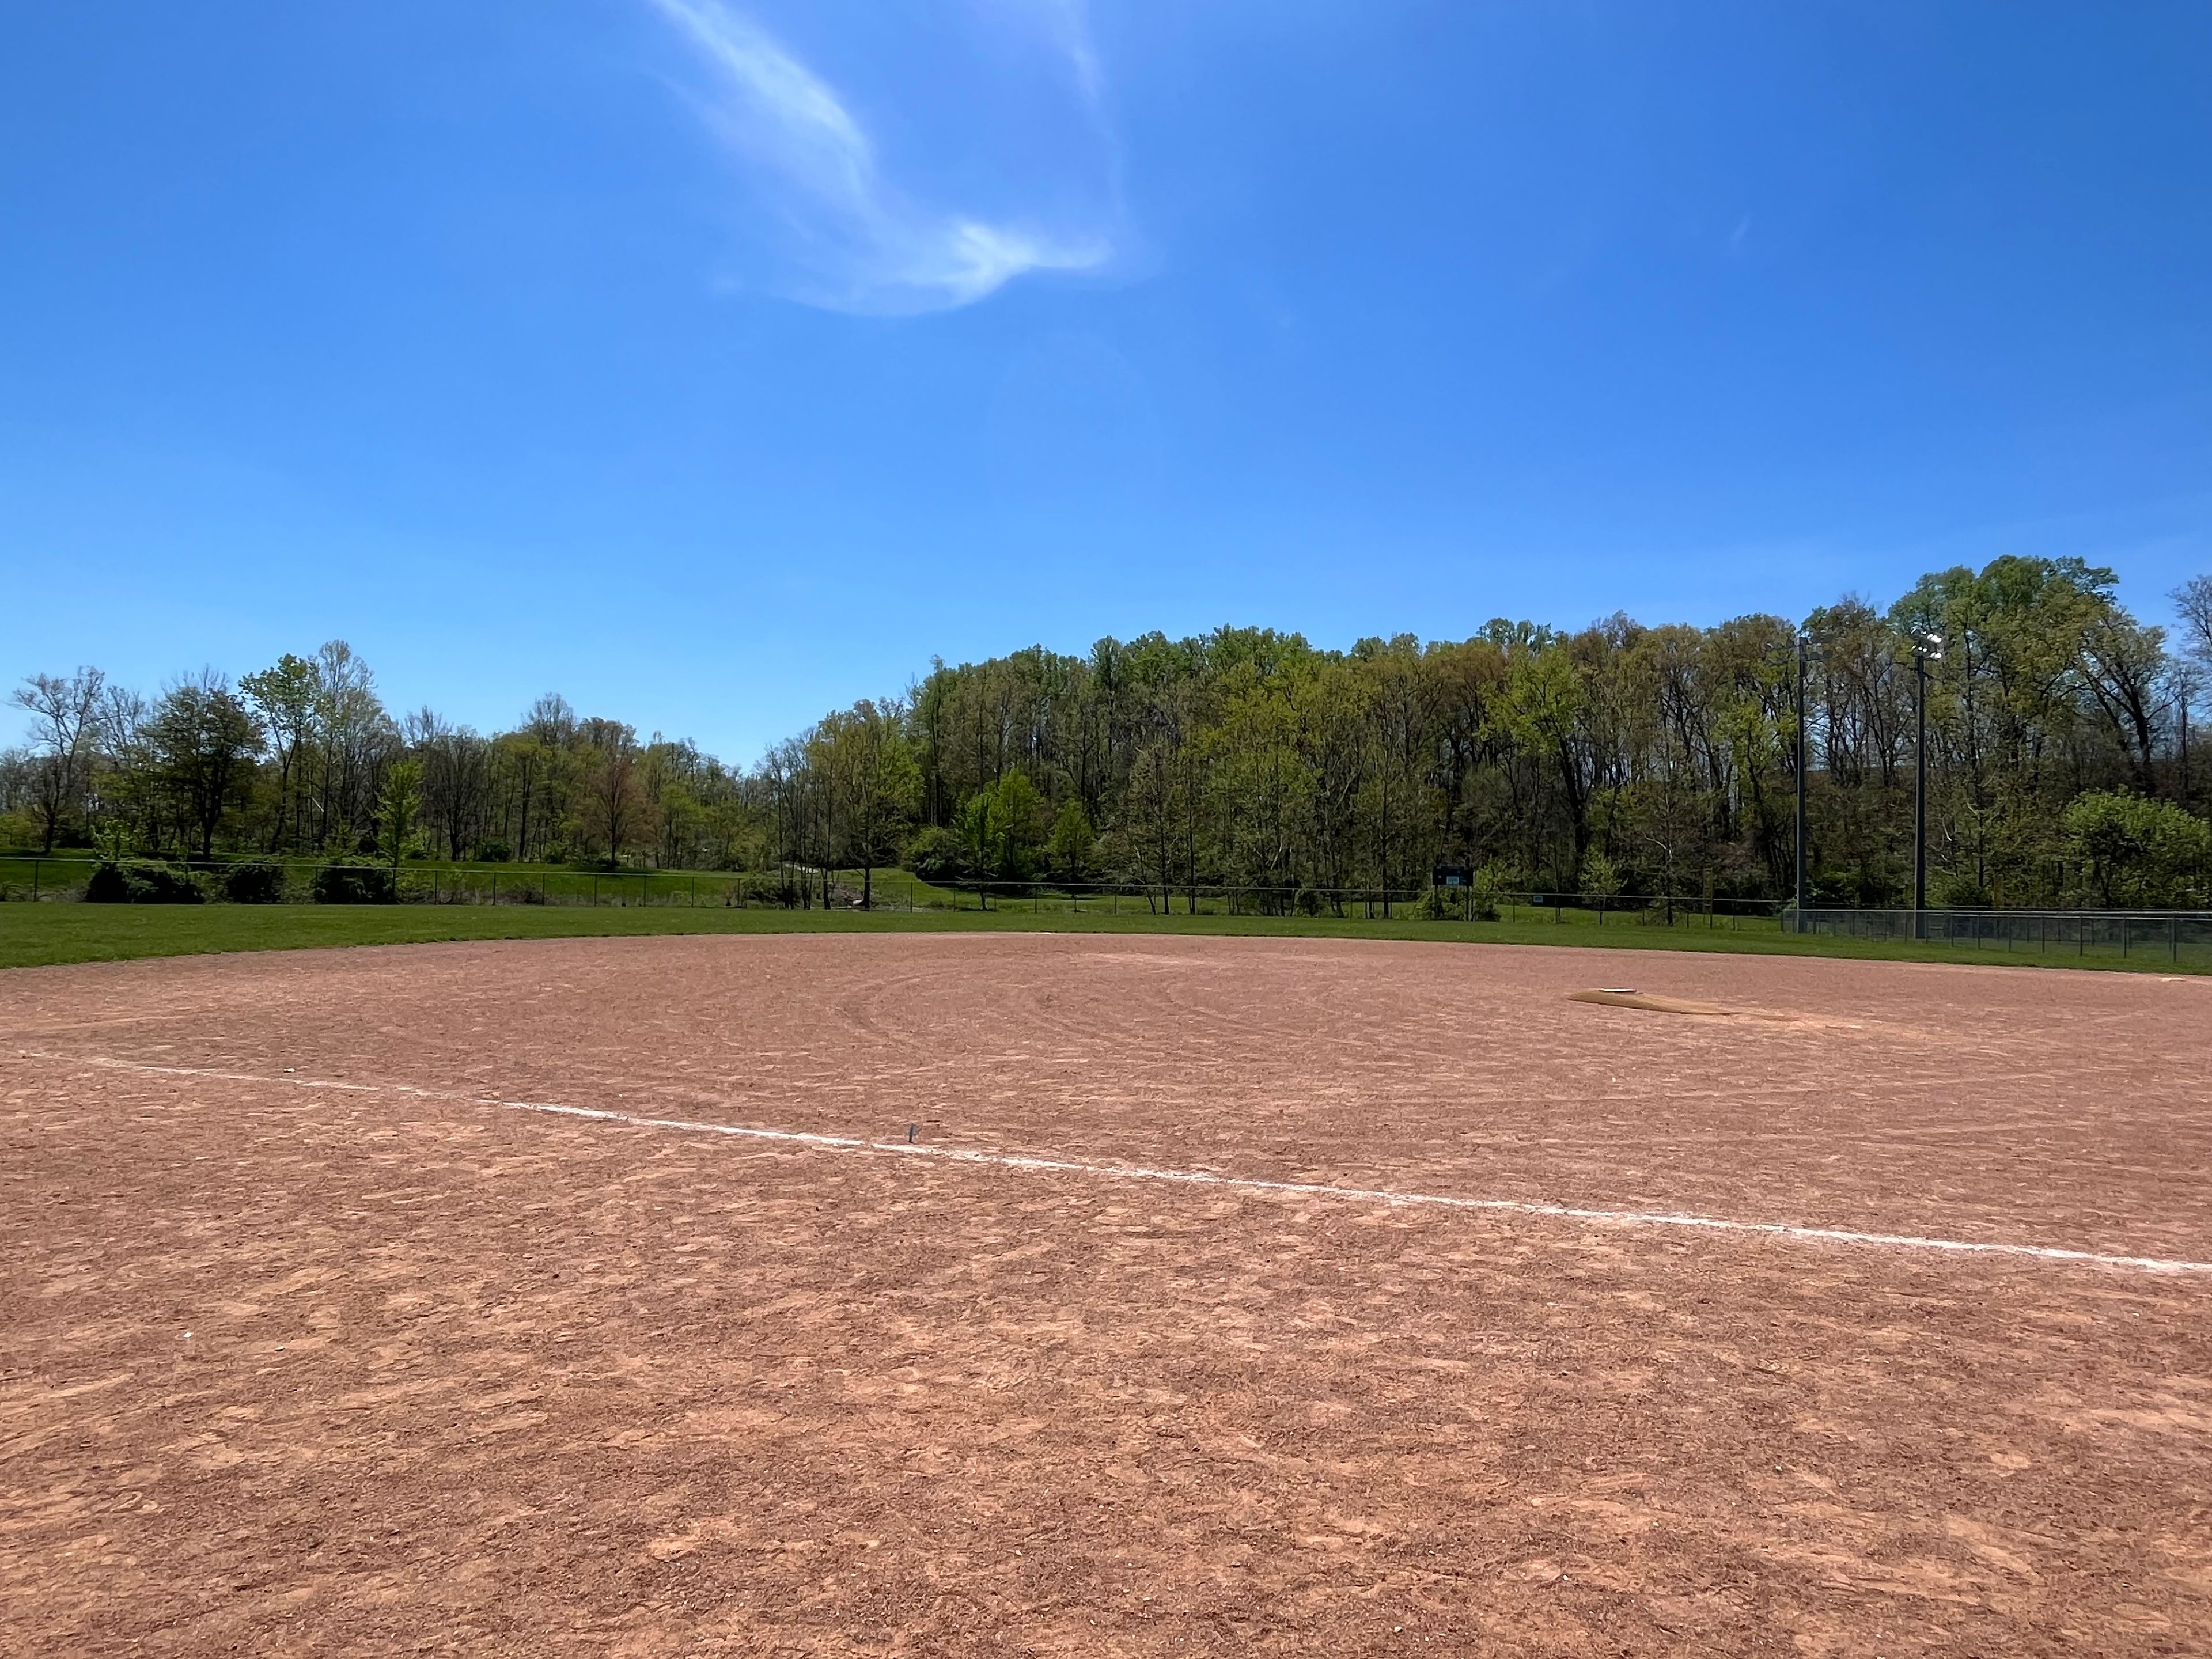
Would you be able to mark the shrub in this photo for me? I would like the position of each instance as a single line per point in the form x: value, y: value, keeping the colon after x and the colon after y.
x: 782, y: 887
x: 1482, y: 893
x: 493, y: 851
x: 1956, y: 889
x: 141, y: 881
x: 108, y: 884
x: 1600, y: 876
x: 355, y: 883
x: 256, y: 882
x: 1849, y: 889
x: 935, y: 854
x: 164, y: 883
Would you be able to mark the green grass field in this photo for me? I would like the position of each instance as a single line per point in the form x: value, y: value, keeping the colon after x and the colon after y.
x: 40, y: 934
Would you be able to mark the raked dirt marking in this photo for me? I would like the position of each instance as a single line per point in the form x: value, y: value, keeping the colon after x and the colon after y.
x: 1027, y: 1161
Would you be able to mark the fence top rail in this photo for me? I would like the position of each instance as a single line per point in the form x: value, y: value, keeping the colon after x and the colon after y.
x: 1179, y: 884
x: 1000, y: 887
x: 2006, y: 914
x: 418, y: 867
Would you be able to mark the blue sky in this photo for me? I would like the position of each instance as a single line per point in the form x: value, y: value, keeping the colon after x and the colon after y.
x: 718, y: 364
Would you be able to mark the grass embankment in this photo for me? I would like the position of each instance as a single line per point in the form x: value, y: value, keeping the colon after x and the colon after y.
x: 41, y: 934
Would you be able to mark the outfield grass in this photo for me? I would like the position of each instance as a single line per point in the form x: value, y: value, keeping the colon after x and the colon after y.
x: 39, y: 934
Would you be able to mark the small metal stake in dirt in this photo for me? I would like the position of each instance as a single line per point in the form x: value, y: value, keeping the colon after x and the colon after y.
x: 912, y: 1129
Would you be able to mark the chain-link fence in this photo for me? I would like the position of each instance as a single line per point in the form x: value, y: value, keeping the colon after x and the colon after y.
x: 2174, y: 936
x: 2184, y: 938
x: 269, y: 881
x: 796, y: 886
x: 1464, y: 902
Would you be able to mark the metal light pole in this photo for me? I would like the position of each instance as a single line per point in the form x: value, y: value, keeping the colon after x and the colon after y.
x: 1926, y: 648
x: 1801, y: 783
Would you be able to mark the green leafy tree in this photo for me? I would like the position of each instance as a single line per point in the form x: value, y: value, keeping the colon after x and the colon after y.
x: 202, y: 741
x: 875, y: 780
x: 1600, y: 876
x: 285, y: 697
x: 1256, y: 760
x: 1000, y: 826
x: 1071, y: 840
x: 397, y: 804
x: 1541, y: 714
x: 2139, y: 851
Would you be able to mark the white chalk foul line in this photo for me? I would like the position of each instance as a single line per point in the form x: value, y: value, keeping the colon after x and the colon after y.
x: 1781, y: 1229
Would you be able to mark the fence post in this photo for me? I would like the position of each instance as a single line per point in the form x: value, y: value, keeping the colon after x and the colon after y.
x: 2174, y: 922
x: 34, y: 881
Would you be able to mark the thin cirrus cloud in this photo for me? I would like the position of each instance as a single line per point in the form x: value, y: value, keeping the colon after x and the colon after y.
x: 854, y: 242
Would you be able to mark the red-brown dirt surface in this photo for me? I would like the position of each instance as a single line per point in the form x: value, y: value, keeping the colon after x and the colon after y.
x: 463, y: 1376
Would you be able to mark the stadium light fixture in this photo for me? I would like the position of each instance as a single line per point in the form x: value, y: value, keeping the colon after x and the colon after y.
x: 1927, y: 647
x: 1800, y: 884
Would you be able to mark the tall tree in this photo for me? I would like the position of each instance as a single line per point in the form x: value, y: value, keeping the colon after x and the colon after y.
x: 64, y: 711
x: 397, y: 800
x: 615, y: 811
x: 284, y: 696
x: 876, y: 778
x: 203, y: 740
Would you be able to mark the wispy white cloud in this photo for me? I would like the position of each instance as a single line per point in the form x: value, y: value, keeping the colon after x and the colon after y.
x: 865, y: 246
x: 1067, y: 22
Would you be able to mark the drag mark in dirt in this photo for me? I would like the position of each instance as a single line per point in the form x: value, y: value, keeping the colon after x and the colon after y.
x: 1789, y: 1231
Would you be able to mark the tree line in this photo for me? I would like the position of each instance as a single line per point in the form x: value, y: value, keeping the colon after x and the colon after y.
x: 1618, y: 759
x: 304, y: 758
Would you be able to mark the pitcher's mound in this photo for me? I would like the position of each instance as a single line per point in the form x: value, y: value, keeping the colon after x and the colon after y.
x: 1645, y: 1000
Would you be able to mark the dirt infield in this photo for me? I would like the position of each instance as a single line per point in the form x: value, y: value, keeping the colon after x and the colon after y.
x: 463, y: 1372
